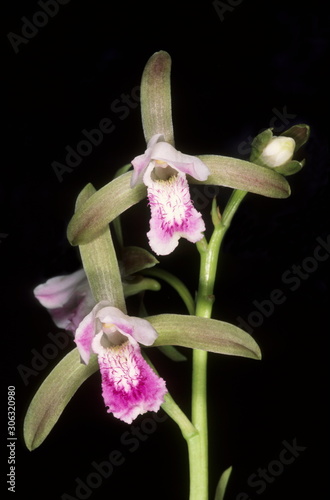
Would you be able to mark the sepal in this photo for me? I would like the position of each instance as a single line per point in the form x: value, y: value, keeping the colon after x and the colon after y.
x: 300, y: 134
x: 103, y: 207
x: 244, y: 175
x: 135, y: 259
x: 205, y: 334
x: 156, y: 105
x: 53, y: 395
x: 100, y: 262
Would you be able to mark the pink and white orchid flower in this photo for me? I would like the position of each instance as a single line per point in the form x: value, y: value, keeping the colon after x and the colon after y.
x: 67, y: 298
x: 129, y: 386
x: 163, y: 170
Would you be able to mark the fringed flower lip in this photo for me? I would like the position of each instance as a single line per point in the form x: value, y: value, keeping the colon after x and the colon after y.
x: 129, y: 385
x: 68, y: 298
x: 163, y: 170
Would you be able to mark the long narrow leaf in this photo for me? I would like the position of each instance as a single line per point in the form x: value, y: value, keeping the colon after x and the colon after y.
x: 244, y: 175
x: 100, y: 262
x: 53, y: 395
x: 156, y: 106
x: 205, y: 334
x: 102, y: 207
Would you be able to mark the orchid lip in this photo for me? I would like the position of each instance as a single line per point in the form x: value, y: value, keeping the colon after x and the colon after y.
x: 172, y: 215
x: 129, y: 386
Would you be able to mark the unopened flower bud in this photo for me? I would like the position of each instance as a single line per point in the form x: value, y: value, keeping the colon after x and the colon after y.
x: 278, y: 151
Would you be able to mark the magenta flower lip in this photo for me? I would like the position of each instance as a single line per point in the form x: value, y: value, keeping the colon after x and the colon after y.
x: 129, y: 386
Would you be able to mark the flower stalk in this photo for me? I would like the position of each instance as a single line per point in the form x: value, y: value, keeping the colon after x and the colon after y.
x: 209, y: 257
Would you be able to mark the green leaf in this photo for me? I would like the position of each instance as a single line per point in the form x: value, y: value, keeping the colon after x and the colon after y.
x: 117, y: 222
x: 140, y: 284
x: 244, y: 175
x: 222, y: 484
x: 100, y: 262
x: 136, y: 259
x: 53, y: 395
x: 122, y: 170
x: 103, y: 207
x: 156, y: 106
x: 205, y: 334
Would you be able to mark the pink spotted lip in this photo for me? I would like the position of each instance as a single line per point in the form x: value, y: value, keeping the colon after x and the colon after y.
x: 129, y: 386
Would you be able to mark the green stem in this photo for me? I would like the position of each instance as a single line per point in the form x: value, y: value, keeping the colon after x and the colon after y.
x: 189, y: 432
x: 234, y: 202
x: 209, y: 256
x: 176, y: 283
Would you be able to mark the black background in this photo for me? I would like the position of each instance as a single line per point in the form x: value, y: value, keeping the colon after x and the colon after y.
x: 230, y: 76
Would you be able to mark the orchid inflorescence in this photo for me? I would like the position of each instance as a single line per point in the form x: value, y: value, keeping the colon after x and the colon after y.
x: 91, y: 302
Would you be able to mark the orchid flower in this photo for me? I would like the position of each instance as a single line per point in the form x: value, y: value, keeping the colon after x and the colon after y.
x: 67, y: 298
x: 129, y: 385
x: 163, y: 170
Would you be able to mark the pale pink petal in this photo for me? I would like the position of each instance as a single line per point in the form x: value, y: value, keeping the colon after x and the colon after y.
x: 172, y: 215
x: 143, y: 332
x: 58, y: 291
x: 139, y: 163
x: 84, y: 336
x: 187, y: 164
x: 142, y: 161
x: 138, y: 328
x: 154, y: 140
x: 68, y: 299
x: 86, y: 331
x: 112, y: 315
x: 69, y: 316
x: 129, y: 386
x: 160, y: 154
